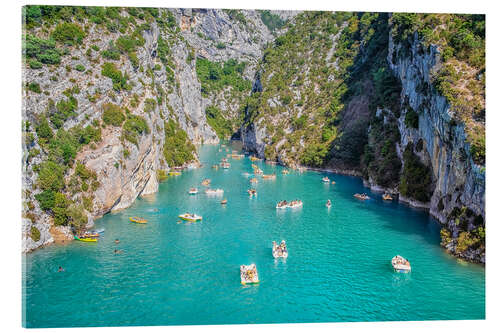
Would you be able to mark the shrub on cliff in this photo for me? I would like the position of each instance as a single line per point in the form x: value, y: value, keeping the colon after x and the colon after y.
x: 177, y: 149
x: 68, y: 33
x: 219, y: 124
x: 112, y: 115
x: 133, y: 127
x: 35, y: 234
x: 416, y: 177
x: 51, y: 176
x: 40, y: 50
x: 119, y: 79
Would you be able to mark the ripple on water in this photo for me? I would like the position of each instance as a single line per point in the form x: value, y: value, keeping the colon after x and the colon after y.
x: 188, y: 273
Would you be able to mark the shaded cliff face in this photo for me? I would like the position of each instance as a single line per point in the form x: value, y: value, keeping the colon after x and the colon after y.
x: 458, y: 183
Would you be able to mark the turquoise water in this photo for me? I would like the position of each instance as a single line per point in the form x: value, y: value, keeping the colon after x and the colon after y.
x: 173, y: 273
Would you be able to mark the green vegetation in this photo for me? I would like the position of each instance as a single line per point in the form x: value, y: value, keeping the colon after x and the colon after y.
x: 177, y: 149
x: 112, y: 115
x: 461, y: 79
x: 133, y: 127
x: 40, y: 51
x: 215, y: 76
x: 119, y: 79
x: 272, y: 21
x: 80, y: 68
x: 35, y: 87
x: 237, y: 15
x: 411, y: 119
x: 219, y: 124
x: 68, y: 33
x: 416, y: 177
x: 35, y: 234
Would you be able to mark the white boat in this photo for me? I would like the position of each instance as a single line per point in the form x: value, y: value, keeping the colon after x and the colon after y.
x: 190, y: 217
x: 193, y: 190
x: 225, y: 165
x: 295, y: 205
x: 246, y: 174
x: 248, y: 274
x: 214, y: 191
x: 284, y: 204
x: 280, y: 251
x: 326, y: 180
x: 400, y: 264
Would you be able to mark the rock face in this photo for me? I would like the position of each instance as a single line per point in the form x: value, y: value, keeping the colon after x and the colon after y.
x: 125, y: 170
x: 458, y: 181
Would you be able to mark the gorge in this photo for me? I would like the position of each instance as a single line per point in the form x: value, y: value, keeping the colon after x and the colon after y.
x: 116, y: 97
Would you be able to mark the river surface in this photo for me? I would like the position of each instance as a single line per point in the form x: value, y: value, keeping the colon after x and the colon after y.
x: 172, y: 273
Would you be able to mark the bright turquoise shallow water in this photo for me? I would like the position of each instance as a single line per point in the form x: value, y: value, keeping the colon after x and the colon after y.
x: 338, y: 267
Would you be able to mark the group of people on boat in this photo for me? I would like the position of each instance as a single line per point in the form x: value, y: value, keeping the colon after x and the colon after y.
x: 362, y: 196
x: 248, y: 274
x: 329, y: 203
x: 280, y: 250
x: 291, y: 204
x: 252, y: 191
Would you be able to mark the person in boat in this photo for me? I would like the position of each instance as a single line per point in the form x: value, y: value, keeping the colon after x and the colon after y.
x: 60, y: 269
x: 328, y: 203
x: 117, y: 241
x: 117, y: 251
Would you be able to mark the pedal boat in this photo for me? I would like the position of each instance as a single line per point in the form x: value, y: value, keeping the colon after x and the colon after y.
x: 190, y: 217
x: 248, y: 274
x: 400, y: 264
x: 139, y: 220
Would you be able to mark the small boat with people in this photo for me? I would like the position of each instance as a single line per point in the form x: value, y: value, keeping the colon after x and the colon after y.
x: 193, y: 190
x: 329, y: 203
x: 400, y: 264
x: 258, y: 171
x: 252, y: 192
x: 214, y: 191
x: 215, y: 166
x: 91, y: 234
x: 223, y: 202
x: 139, y: 220
x: 254, y: 158
x: 362, y: 196
x: 190, y: 217
x: 237, y: 156
x: 254, y: 180
x: 273, y: 176
x: 325, y: 180
x: 280, y: 251
x: 206, y: 182
x: 285, y: 172
x: 225, y: 165
x: 248, y: 274
x: 386, y: 196
x: 254, y: 166
x: 85, y: 239
x: 292, y: 204
x: 174, y: 173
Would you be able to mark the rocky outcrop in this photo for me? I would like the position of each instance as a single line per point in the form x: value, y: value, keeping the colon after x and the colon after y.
x: 458, y: 181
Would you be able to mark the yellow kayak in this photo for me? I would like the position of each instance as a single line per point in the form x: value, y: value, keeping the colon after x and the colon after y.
x: 174, y: 173
x: 85, y: 239
x: 136, y: 219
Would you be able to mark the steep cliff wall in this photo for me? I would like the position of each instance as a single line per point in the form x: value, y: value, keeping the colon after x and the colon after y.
x: 156, y: 52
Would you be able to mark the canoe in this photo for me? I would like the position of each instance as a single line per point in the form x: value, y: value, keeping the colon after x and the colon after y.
x: 248, y: 274
x: 268, y: 176
x: 139, y: 220
x: 190, y: 217
x: 174, y: 173
x: 86, y: 239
